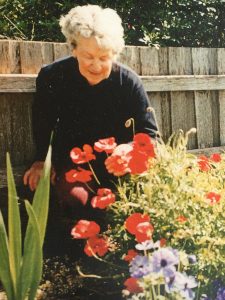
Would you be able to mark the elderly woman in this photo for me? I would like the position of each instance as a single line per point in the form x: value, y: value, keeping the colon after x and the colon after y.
x: 86, y: 96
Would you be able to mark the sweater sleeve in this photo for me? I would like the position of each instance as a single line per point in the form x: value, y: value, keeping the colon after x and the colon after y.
x: 44, y: 113
x: 144, y: 120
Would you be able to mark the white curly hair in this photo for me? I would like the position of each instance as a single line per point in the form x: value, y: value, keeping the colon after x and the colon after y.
x: 92, y: 20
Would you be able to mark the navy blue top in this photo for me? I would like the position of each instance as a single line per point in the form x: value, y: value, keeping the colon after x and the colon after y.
x: 80, y: 113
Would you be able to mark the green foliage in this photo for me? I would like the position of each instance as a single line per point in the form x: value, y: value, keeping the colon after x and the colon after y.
x: 174, y: 194
x: 21, y: 269
x: 189, y: 23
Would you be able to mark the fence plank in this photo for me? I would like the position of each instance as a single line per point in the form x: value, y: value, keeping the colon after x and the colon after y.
x: 31, y: 57
x: 15, y: 83
x: 15, y: 128
x: 47, y: 53
x: 221, y: 95
x: 165, y: 96
x: 213, y: 69
x: 61, y: 50
x: 26, y: 83
x: 130, y: 56
x: 9, y: 57
x: 182, y: 103
x: 184, y: 83
x: 21, y: 129
x: 5, y: 128
x: 203, y: 102
x: 151, y: 64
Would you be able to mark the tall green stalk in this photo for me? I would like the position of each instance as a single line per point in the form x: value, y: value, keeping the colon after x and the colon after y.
x: 21, y: 268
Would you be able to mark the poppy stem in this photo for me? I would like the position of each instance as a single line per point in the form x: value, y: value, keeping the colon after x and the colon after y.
x: 90, y: 189
x: 130, y: 122
x: 133, y: 126
x: 96, y: 178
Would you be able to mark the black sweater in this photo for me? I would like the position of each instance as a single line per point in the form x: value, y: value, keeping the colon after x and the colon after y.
x: 81, y: 114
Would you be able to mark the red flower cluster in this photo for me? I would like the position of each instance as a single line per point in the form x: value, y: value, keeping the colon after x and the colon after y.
x: 85, y: 229
x: 89, y: 230
x: 130, y: 255
x: 215, y: 157
x: 213, y: 198
x: 96, y: 245
x: 80, y: 175
x: 107, y: 145
x: 204, y: 163
x: 133, y: 158
x: 181, y: 219
x: 126, y: 158
x: 103, y: 199
x: 142, y: 143
x: 117, y: 163
x: 132, y: 285
x: 138, y: 224
x: 80, y: 157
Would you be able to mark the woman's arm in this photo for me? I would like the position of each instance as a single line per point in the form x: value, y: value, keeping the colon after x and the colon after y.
x: 44, y: 118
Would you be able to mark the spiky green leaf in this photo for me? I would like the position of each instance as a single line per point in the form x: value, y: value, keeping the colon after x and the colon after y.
x: 31, y: 270
x: 5, y: 275
x: 14, y: 226
x: 41, y: 197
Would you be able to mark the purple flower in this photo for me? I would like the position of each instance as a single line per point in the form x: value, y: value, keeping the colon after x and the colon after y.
x: 140, y: 266
x: 220, y: 294
x: 164, y: 261
x: 184, y: 284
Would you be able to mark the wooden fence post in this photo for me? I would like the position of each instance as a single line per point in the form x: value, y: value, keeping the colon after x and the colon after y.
x: 182, y: 103
x: 203, y: 64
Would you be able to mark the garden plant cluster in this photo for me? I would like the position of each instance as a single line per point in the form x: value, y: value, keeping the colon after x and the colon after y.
x: 165, y: 217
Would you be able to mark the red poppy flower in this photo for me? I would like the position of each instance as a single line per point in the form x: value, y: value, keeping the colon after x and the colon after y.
x: 144, y: 232
x: 117, y: 163
x: 162, y: 242
x: 130, y: 255
x: 203, y: 163
x: 132, y: 285
x: 104, y: 198
x: 213, y: 198
x: 181, y: 219
x: 142, y: 142
x: 96, y: 245
x: 216, y: 157
x: 107, y: 145
x: 138, y: 162
x: 117, y: 166
x: 79, y: 175
x: 79, y: 157
x: 85, y: 229
x: 133, y: 220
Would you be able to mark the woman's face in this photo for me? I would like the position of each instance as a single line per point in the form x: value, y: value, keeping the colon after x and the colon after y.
x: 95, y: 63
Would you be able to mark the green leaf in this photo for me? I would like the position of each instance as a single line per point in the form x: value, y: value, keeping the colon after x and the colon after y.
x: 5, y: 275
x: 41, y: 197
x: 31, y: 277
x: 31, y: 270
x: 14, y: 226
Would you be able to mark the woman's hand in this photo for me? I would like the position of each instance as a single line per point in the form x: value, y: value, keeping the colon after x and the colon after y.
x: 33, y: 175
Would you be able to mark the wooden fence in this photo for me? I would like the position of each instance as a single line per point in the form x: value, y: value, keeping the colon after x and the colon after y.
x: 186, y: 87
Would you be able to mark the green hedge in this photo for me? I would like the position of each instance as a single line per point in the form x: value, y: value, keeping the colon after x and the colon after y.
x: 189, y: 23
